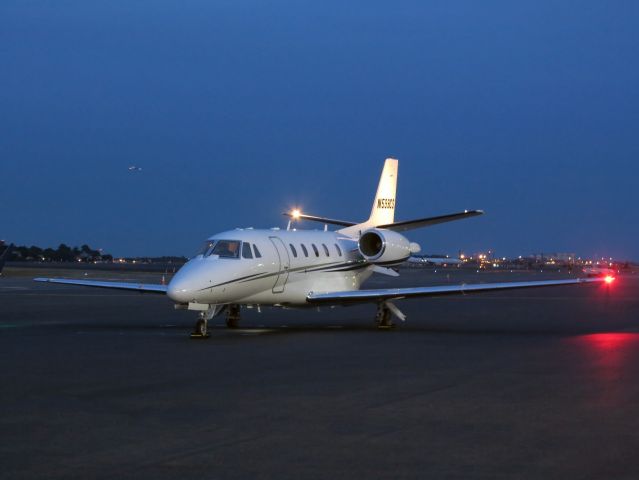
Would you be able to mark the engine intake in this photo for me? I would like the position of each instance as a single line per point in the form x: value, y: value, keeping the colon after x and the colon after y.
x: 385, y: 246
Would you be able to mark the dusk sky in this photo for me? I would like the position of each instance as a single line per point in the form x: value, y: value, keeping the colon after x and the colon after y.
x: 238, y: 110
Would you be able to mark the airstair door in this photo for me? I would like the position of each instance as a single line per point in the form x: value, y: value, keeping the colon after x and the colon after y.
x: 285, y: 263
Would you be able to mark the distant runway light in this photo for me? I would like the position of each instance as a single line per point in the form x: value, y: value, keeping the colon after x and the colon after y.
x: 609, y: 279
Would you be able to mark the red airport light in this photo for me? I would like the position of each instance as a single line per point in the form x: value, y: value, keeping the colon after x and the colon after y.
x: 609, y: 279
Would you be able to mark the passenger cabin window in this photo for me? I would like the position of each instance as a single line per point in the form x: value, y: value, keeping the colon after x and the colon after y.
x: 315, y: 249
x: 257, y: 252
x: 226, y: 249
x: 339, y: 250
x: 293, y: 250
x: 246, y: 250
x: 326, y: 250
x: 304, y: 249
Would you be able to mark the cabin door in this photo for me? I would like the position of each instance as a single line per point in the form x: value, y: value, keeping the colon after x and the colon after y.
x: 285, y: 263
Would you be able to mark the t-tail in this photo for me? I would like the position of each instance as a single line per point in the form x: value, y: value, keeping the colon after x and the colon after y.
x: 383, y: 211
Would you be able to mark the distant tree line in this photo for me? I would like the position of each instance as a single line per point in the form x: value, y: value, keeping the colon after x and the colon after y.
x: 63, y: 253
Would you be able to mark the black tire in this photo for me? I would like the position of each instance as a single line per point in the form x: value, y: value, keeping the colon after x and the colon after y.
x: 200, y: 327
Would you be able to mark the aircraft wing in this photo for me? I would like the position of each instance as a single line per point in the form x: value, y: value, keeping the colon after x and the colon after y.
x: 426, y: 222
x: 363, y: 296
x: 138, y: 287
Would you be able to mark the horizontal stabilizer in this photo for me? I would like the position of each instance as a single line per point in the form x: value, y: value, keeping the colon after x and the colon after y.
x: 138, y: 287
x: 427, y: 222
x: 364, y: 296
x: 312, y: 218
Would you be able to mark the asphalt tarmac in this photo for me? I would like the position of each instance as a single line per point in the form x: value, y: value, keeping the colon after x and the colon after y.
x: 521, y: 384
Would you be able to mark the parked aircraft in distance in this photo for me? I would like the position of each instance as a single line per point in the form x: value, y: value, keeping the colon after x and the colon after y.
x: 433, y: 260
x: 303, y: 268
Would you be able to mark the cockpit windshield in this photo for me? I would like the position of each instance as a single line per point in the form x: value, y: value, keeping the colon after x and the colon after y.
x: 205, y: 247
x: 221, y: 248
x: 227, y: 249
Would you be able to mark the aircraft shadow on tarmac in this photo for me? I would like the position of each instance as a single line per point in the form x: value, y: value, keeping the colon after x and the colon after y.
x: 220, y: 331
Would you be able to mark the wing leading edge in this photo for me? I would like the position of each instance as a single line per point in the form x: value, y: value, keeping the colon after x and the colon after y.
x: 138, y: 287
x: 363, y: 296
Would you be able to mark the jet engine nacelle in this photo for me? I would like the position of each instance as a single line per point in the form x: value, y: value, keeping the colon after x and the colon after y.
x: 381, y: 246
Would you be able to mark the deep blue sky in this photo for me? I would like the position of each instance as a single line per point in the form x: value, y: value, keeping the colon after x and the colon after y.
x: 237, y: 110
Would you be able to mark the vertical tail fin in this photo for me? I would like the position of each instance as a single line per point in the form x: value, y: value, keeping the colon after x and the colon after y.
x: 383, y: 211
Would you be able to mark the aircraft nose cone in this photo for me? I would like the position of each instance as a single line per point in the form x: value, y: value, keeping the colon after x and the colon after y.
x: 181, y: 288
x: 178, y: 290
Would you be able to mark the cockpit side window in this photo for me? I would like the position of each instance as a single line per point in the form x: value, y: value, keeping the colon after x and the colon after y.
x: 246, y: 250
x: 257, y: 252
x: 226, y: 249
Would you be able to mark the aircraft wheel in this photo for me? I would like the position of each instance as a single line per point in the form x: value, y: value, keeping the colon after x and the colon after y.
x: 233, y: 316
x: 200, y: 330
x: 383, y: 318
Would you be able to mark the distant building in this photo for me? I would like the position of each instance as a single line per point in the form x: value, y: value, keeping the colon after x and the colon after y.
x: 554, y: 257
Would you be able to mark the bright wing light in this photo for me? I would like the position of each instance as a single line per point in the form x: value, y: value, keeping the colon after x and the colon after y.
x: 296, y: 213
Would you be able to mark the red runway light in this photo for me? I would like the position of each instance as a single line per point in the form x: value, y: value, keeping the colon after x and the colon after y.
x: 609, y: 279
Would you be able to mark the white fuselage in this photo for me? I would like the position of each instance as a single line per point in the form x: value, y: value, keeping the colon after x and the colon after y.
x: 290, y: 265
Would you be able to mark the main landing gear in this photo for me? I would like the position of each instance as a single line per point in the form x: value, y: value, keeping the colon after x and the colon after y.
x: 384, y: 313
x: 232, y: 316
x: 383, y: 317
x: 201, y: 326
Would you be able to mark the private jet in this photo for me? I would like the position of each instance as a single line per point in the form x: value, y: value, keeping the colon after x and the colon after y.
x: 308, y: 268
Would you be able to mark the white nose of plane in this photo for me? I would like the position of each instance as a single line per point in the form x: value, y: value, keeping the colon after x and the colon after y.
x: 178, y: 291
x: 183, y: 287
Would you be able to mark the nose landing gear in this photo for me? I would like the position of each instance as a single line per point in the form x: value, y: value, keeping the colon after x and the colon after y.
x: 201, y: 326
